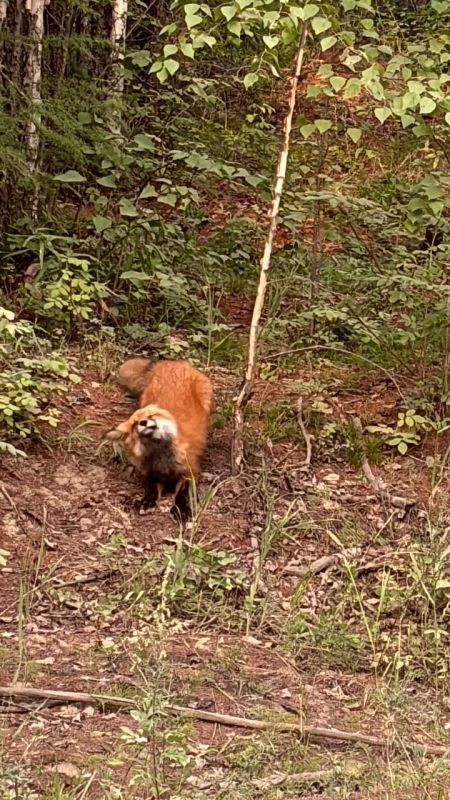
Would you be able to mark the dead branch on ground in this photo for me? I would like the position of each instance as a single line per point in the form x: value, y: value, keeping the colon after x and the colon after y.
x: 304, y: 731
x: 247, y: 386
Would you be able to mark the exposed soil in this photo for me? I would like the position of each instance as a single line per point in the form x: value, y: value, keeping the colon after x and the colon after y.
x: 64, y: 622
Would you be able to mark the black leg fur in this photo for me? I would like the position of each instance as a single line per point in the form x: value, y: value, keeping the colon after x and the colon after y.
x: 150, y: 497
x: 182, y: 509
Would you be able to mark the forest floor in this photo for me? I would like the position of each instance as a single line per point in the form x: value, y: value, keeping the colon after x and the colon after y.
x: 97, y: 598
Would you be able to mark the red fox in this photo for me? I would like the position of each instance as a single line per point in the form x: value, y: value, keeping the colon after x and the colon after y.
x: 165, y: 438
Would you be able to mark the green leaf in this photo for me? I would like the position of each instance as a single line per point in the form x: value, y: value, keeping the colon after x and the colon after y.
x: 235, y: 27
x: 162, y: 75
x: 325, y: 71
x: 328, y: 42
x: 307, y: 130
x: 352, y: 88
x: 148, y: 191
x: 169, y: 199
x: 134, y: 276
x: 323, y: 125
x: 440, y: 6
x: 85, y: 118
x: 354, y: 134
x: 271, y: 41
x: 337, y: 82
x: 250, y: 79
x: 145, y: 141
x: 171, y: 66
x: 141, y: 58
x: 187, y: 50
x: 382, y: 114
x: 127, y: 208
x: 348, y: 5
x: 108, y: 180
x: 310, y: 10
x: 101, y: 223
x: 156, y: 67
x: 229, y: 12
x: 270, y: 17
x: 402, y: 448
x: 314, y: 90
x: 407, y: 120
x: 447, y: 117
x: 297, y: 12
x: 320, y: 24
x: 71, y: 176
x: 170, y: 50
x: 192, y: 20
x: 427, y: 105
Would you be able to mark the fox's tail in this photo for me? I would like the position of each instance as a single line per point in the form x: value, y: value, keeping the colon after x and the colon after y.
x: 132, y: 375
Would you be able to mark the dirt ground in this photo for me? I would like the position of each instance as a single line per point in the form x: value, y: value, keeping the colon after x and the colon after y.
x: 77, y: 613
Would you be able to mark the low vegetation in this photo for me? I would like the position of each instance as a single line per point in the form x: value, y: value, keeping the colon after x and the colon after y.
x: 138, y: 147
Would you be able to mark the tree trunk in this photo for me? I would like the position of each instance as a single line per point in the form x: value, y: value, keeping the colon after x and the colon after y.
x: 118, y: 34
x: 3, y: 7
x: 33, y: 78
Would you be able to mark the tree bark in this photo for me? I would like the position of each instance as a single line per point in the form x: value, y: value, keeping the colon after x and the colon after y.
x: 118, y: 36
x: 33, y: 78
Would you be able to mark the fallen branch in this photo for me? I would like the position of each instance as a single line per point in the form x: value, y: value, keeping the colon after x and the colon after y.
x: 247, y: 386
x: 378, y: 485
x: 319, y: 565
x: 304, y: 731
x: 307, y: 436
x: 280, y: 778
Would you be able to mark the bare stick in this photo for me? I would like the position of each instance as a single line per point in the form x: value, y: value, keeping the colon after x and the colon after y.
x: 307, y: 436
x: 377, y: 484
x: 245, y: 392
x: 15, y: 692
x: 319, y: 565
x: 280, y: 778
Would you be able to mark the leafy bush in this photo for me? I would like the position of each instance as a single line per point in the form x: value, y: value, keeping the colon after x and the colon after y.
x: 27, y: 384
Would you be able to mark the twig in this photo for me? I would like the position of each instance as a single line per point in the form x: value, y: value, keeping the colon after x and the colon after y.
x: 303, y: 731
x: 319, y: 565
x: 280, y: 778
x: 307, y: 436
x: 100, y: 576
x: 377, y: 484
x: 88, y: 786
x: 247, y: 385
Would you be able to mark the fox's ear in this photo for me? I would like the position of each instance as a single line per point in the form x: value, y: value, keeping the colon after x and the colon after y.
x: 116, y: 434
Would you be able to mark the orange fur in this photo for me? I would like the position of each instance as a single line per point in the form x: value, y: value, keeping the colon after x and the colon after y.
x: 174, y: 391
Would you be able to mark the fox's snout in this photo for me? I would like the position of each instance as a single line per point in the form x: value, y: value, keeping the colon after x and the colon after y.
x: 146, y: 427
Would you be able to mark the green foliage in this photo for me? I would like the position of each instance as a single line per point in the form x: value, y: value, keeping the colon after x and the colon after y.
x: 27, y: 383
x: 407, y: 433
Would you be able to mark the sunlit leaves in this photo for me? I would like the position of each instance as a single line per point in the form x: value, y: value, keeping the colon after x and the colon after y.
x: 354, y: 134
x: 250, y: 79
x: 327, y: 42
x: 71, y: 176
x: 320, y: 24
x: 382, y: 114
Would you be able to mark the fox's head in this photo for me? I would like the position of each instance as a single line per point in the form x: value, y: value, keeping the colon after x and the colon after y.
x: 147, y: 425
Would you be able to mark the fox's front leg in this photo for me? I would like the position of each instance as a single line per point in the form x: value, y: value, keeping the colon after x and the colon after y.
x: 182, y: 510
x: 152, y: 495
